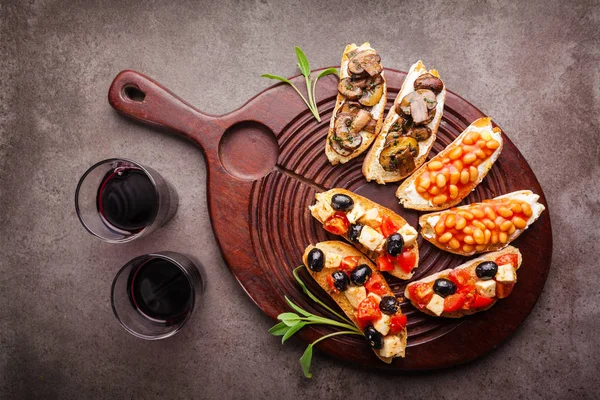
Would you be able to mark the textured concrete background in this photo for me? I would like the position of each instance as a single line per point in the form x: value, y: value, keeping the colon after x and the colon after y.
x: 532, y: 65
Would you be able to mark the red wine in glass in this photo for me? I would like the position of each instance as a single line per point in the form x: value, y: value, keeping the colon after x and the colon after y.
x: 160, y: 291
x: 127, y: 200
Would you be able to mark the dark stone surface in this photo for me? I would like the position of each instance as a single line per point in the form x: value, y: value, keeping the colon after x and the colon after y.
x: 533, y: 66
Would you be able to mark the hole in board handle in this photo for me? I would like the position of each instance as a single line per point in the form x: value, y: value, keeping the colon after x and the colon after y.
x: 134, y: 93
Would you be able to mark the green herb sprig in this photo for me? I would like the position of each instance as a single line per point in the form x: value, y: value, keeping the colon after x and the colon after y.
x: 292, y: 323
x: 310, y: 84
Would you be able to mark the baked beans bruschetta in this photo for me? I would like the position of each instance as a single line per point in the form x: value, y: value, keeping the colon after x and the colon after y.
x: 362, y: 293
x: 446, y: 179
x: 409, y: 129
x: 384, y: 236
x: 358, y: 113
x: 481, y: 227
x: 472, y: 287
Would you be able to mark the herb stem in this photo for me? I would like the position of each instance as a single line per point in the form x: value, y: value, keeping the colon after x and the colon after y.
x: 335, y: 334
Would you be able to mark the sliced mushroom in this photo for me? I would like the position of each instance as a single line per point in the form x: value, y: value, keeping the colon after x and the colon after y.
x: 344, y: 138
x: 420, y: 105
x: 392, y: 137
x: 372, y: 96
x: 371, y: 126
x: 399, y: 155
x: 351, y: 107
x: 366, y: 61
x: 420, y: 133
x: 350, y: 89
x: 361, y: 120
x: 429, y: 81
x: 336, y: 145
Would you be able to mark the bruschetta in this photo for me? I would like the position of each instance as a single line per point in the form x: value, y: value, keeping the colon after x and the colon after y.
x: 362, y: 293
x: 446, y: 179
x: 481, y: 227
x: 409, y: 129
x: 381, y: 234
x: 358, y: 113
x: 472, y: 287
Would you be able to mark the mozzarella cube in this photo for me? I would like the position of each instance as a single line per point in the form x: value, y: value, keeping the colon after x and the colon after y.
x: 355, y: 295
x: 436, y: 305
x: 382, y: 325
x: 506, y: 273
x: 375, y: 297
x: 409, y: 234
x: 323, y: 210
x: 332, y: 260
x: 392, y: 346
x: 486, y: 288
x: 372, y: 217
x: 370, y: 238
x: 355, y: 214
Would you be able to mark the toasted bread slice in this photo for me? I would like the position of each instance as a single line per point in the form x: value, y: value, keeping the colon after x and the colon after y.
x: 376, y: 113
x: 394, y: 343
x: 463, y: 164
x: 502, y: 288
x: 487, y: 226
x: 372, y: 169
x: 322, y: 210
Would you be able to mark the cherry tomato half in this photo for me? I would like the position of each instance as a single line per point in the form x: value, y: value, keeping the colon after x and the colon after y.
x: 508, y: 259
x: 420, y: 293
x: 406, y: 261
x: 388, y: 226
x: 368, y: 310
x: 454, y: 302
x: 482, y: 302
x: 397, y: 323
x: 349, y: 263
x: 337, y: 224
x: 384, y: 263
x: 376, y: 285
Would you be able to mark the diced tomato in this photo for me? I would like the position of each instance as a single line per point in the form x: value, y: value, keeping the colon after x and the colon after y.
x: 376, y: 285
x: 468, y: 291
x: 397, y: 323
x: 406, y: 260
x: 388, y: 226
x: 482, y: 302
x: 384, y: 263
x: 337, y: 223
x: 420, y: 293
x: 508, y: 259
x: 454, y: 302
x: 349, y: 263
x: 368, y: 310
x: 361, y: 324
x: 460, y: 277
x: 503, y: 289
x: 332, y: 287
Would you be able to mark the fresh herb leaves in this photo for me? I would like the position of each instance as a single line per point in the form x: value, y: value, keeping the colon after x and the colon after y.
x: 293, y: 322
x: 310, y: 84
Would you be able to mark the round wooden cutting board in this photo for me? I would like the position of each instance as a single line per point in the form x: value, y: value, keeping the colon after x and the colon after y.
x: 266, y: 161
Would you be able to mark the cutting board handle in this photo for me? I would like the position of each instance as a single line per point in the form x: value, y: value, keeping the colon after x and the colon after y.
x: 141, y: 98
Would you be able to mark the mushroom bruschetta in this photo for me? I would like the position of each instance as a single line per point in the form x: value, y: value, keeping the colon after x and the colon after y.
x: 409, y: 129
x: 358, y: 113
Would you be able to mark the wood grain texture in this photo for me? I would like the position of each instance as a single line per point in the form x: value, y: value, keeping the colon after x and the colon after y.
x: 259, y: 210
